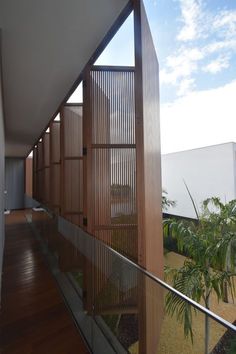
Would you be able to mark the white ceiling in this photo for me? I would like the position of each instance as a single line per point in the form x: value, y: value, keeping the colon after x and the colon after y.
x: 45, y: 46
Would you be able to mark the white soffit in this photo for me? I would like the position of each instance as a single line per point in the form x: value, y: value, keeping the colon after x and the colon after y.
x: 45, y: 46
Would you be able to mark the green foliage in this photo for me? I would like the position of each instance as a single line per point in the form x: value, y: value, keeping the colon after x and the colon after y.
x: 210, y: 266
x: 79, y: 278
x: 166, y: 203
x: 232, y: 348
x: 111, y: 321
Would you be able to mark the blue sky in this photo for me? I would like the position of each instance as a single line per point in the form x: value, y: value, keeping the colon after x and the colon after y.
x: 195, y: 42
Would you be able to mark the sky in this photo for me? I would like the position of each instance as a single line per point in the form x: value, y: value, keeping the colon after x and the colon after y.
x: 195, y: 41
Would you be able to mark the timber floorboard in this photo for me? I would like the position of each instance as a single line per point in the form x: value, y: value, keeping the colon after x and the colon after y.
x: 33, y: 317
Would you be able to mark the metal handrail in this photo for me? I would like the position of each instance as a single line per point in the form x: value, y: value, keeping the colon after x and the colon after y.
x: 195, y: 304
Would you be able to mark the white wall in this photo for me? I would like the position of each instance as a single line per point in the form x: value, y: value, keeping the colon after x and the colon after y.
x: 2, y: 178
x: 208, y: 172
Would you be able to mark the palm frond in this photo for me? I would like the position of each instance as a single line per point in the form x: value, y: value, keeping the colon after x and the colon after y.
x: 190, y: 195
x: 188, y: 281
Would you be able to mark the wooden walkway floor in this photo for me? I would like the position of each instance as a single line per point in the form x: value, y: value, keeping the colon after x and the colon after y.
x: 34, y: 318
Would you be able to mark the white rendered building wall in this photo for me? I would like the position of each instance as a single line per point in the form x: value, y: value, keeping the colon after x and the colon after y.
x: 208, y: 172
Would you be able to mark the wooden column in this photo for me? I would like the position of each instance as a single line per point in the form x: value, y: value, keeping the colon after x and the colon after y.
x: 149, y: 191
x: 40, y: 175
x: 46, y: 168
x: 87, y: 152
x: 28, y: 176
x: 55, y: 166
x: 88, y: 270
x: 62, y: 168
x: 35, y: 173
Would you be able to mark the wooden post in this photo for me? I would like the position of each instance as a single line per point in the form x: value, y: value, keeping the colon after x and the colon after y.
x: 28, y: 176
x: 149, y: 192
x: 87, y: 152
x: 62, y: 156
x: 88, y: 269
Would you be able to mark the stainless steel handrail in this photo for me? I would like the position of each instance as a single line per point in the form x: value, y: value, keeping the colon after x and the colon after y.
x: 195, y: 304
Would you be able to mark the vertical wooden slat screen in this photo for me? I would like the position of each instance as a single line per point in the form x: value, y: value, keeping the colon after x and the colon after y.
x: 46, y: 168
x: 35, y: 173
x: 110, y: 174
x: 40, y: 172
x: 55, y: 160
x: 112, y: 149
x: 28, y: 176
x: 148, y: 180
x: 72, y: 163
x: 113, y: 292
x: 149, y: 191
x: 110, y: 179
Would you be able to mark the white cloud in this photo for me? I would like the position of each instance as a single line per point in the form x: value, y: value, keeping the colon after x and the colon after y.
x: 199, y: 119
x: 185, y: 87
x: 217, y: 65
x: 180, y: 66
x: 217, y: 46
x: 191, y: 12
x: 211, y: 53
x: 225, y: 22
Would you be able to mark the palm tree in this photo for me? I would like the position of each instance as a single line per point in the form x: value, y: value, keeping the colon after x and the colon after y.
x: 210, y: 266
